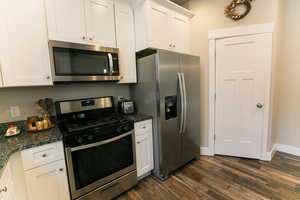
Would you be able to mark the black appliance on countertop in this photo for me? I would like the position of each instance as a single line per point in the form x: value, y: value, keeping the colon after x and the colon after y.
x: 99, y: 146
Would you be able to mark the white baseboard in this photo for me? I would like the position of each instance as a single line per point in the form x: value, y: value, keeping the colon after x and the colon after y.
x: 271, y: 153
x: 288, y: 149
x: 204, y: 151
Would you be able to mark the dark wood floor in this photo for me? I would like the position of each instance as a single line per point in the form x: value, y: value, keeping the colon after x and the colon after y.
x: 226, y: 178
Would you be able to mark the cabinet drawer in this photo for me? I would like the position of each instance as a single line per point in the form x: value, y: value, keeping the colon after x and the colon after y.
x: 38, y: 156
x: 143, y: 127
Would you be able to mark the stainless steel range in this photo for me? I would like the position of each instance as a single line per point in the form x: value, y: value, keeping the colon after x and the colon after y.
x: 99, y: 147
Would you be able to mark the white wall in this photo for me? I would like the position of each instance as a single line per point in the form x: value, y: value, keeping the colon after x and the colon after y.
x: 286, y: 123
x: 25, y: 98
x: 210, y: 15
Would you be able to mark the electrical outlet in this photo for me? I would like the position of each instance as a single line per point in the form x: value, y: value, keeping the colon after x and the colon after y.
x: 15, y: 111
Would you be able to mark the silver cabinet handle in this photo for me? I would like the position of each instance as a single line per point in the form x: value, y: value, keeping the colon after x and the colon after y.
x: 259, y: 105
x: 139, y: 142
x: 48, y: 77
x: 91, y: 38
x: 3, y: 190
x: 44, y: 155
x: 61, y: 169
x: 83, y: 37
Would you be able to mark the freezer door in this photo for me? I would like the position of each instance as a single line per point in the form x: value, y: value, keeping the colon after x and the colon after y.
x: 170, y: 112
x: 190, y: 146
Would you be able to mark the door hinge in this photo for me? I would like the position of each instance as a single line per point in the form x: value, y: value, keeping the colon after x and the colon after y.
x: 215, y: 137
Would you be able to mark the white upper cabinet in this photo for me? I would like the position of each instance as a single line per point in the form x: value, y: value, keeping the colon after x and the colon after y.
x: 66, y: 20
x: 180, y: 31
x: 24, y: 55
x: 126, y: 40
x: 162, y: 24
x: 101, y: 22
x: 158, y: 30
x: 82, y: 21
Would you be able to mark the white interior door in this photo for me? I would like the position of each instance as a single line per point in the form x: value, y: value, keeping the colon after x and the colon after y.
x: 242, y: 84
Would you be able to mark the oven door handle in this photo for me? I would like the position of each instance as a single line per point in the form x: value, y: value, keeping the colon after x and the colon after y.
x: 100, y: 143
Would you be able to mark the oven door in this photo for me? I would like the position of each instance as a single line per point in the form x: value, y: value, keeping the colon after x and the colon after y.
x: 93, y: 165
x: 79, y: 62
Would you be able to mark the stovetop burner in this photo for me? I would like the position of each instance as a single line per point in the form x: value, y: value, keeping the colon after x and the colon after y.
x: 77, y: 125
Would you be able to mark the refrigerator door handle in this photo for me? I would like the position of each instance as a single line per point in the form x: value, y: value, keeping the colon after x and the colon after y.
x: 184, y: 102
x: 181, y: 103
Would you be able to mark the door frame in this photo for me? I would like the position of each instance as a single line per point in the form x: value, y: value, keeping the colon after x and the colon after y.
x: 213, y: 36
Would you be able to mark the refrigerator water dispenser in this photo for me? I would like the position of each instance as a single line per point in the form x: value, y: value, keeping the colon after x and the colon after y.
x: 171, y: 107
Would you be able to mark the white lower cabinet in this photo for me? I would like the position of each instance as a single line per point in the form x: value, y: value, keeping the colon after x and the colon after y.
x: 144, y: 147
x: 45, y: 172
x: 6, y: 185
x: 48, y: 182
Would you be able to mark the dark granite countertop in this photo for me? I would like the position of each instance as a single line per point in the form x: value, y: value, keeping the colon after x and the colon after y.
x: 25, y: 140
x: 138, y: 117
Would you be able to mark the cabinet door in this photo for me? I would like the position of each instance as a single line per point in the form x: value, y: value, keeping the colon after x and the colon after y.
x: 144, y: 155
x: 24, y: 45
x: 6, y: 185
x: 48, y: 182
x: 125, y: 40
x: 9, y: 194
x: 158, y: 32
x: 180, y: 29
x: 101, y: 22
x: 66, y: 20
x: 1, y: 79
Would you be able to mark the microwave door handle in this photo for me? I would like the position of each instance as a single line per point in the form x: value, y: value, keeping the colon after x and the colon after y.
x: 111, y: 63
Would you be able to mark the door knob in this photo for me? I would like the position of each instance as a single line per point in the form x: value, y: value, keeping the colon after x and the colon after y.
x: 259, y: 105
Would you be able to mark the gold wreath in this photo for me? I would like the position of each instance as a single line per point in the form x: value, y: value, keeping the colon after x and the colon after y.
x: 230, y: 10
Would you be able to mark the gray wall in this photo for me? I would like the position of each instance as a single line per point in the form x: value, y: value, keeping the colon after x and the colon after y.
x: 25, y: 98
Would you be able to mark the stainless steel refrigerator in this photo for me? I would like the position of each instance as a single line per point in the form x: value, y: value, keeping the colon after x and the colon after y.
x: 168, y: 88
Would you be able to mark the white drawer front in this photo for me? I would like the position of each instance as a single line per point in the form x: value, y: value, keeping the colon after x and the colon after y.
x: 38, y: 156
x: 143, y: 127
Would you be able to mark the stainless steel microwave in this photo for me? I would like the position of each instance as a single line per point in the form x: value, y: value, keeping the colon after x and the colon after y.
x: 73, y: 62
